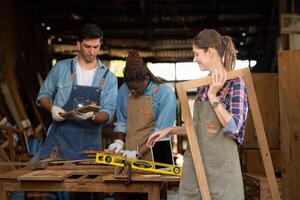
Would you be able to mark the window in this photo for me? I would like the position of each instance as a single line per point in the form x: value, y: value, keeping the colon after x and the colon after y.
x: 163, y: 70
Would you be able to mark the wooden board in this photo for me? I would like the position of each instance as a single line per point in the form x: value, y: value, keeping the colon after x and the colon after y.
x: 252, y: 162
x: 84, y: 109
x: 267, y: 92
x: 289, y: 98
x: 46, y: 175
x: 183, y: 87
x: 145, y: 177
x: 4, y: 158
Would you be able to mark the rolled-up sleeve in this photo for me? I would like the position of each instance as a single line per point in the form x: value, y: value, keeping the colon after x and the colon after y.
x: 166, y: 108
x: 48, y: 88
x: 121, y: 110
x: 238, y: 108
x: 108, y: 100
x: 231, y: 126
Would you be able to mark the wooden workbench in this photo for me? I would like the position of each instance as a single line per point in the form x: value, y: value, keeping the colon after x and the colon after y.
x: 82, y: 178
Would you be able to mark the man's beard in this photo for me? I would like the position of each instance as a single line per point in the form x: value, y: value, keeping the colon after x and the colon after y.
x: 89, y: 59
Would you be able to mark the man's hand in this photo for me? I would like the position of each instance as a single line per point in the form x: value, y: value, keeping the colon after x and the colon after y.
x: 56, y: 111
x: 129, y: 154
x: 118, y: 145
x: 83, y: 116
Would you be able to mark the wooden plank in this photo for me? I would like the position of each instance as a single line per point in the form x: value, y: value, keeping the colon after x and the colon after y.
x: 261, y: 136
x: 145, y: 177
x: 13, y: 175
x: 193, y: 142
x: 289, y: 93
x: 10, y: 103
x: 196, y: 155
x: 15, y: 105
x: 105, y: 168
x: 4, y: 158
x: 46, y: 175
x: 267, y: 92
x: 54, y: 186
x: 207, y: 80
x: 252, y: 161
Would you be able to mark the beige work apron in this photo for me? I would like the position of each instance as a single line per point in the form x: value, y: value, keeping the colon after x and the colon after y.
x: 141, y: 121
x: 220, y: 158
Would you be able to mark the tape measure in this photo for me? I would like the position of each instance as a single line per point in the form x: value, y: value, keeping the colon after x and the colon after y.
x: 145, y: 165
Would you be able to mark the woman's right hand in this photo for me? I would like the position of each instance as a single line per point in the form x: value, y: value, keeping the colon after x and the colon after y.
x: 157, y: 136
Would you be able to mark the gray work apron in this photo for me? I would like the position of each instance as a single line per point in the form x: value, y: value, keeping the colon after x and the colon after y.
x: 73, y: 136
x: 140, y: 122
x: 220, y: 158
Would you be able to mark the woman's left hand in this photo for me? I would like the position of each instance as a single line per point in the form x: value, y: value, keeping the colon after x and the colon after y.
x: 157, y: 136
x: 218, y: 79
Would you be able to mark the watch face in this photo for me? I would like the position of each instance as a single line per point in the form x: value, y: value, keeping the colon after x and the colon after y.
x: 215, y: 104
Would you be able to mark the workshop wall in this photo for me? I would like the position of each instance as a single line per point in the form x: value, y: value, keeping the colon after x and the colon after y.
x: 23, y: 61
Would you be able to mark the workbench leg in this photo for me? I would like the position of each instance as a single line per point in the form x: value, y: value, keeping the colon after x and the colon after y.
x: 154, y: 192
x: 3, y: 193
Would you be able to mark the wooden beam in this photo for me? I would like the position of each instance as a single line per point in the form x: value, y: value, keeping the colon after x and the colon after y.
x: 288, y: 73
x: 194, y: 145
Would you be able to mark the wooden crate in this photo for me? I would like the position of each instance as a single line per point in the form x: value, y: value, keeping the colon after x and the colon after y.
x: 256, y: 187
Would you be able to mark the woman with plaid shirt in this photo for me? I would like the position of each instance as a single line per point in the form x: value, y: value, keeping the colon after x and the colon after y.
x: 220, y: 113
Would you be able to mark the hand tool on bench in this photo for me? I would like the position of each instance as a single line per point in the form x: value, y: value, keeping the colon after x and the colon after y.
x: 124, y: 173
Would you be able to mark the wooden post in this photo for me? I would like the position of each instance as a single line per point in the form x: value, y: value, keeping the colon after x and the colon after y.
x: 262, y: 140
x: 288, y: 73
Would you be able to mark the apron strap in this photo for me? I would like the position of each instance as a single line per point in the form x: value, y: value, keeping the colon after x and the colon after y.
x: 72, y: 77
x: 102, y: 81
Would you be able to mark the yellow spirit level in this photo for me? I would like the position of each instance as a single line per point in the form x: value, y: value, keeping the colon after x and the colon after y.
x: 145, y: 165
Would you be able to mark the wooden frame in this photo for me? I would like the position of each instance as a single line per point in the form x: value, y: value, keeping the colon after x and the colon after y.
x: 192, y: 138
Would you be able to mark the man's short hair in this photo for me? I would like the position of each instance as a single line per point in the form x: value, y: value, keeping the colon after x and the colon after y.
x: 90, y: 31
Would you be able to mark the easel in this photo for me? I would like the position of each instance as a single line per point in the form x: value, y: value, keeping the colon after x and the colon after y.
x: 192, y: 138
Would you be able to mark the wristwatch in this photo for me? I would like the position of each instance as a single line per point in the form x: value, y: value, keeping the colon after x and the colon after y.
x: 215, y: 104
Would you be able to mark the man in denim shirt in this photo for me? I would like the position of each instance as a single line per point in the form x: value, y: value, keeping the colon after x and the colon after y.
x: 145, y: 105
x: 73, y: 83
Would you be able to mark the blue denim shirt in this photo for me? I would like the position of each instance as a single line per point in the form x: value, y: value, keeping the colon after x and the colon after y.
x: 58, y: 85
x: 164, y: 106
